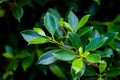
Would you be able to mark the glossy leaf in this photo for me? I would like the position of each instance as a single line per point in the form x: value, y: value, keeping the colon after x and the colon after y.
x: 57, y: 19
x: 57, y: 71
x: 27, y: 62
x: 54, y: 13
x: 75, y: 40
x: 65, y: 55
x: 29, y: 35
x: 94, y: 58
x: 50, y: 23
x: 17, y: 12
x: 77, y: 65
x: 39, y: 31
x: 85, y: 30
x: 96, y: 43
x: 102, y: 66
x: 38, y: 41
x: 72, y: 20
x: 111, y: 36
x: 114, y: 28
x: 47, y: 58
x: 82, y: 22
x: 84, y: 38
x: 75, y: 75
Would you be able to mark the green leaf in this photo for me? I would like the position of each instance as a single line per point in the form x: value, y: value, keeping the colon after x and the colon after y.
x: 113, y: 72
x: 65, y: 55
x: 77, y: 65
x: 8, y: 55
x: 22, y: 54
x: 8, y: 49
x: 14, y: 65
x: 57, y: 17
x: 82, y: 22
x: 65, y: 25
x: 96, y: 43
x: 27, y: 62
x: 102, y: 66
x: 114, y: 28
x: 107, y: 53
x: 75, y: 40
x: 117, y: 19
x: 57, y: 71
x: 50, y: 23
x: 17, y: 12
x: 1, y: 1
x: 100, y: 78
x: 2, y: 12
x: 54, y: 13
x: 23, y: 2
x: 85, y: 37
x: 75, y: 75
x: 38, y: 41
x: 80, y: 50
x: 84, y: 30
x: 111, y: 36
x: 47, y: 58
x: 85, y: 54
x: 97, y: 1
x: 39, y: 31
x: 72, y: 20
x: 89, y: 71
x: 29, y: 35
x: 94, y: 58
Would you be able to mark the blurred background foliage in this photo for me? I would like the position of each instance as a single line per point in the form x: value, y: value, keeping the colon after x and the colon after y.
x: 17, y: 59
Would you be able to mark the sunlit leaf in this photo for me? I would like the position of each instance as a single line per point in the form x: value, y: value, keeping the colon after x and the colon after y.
x: 94, y: 58
x: 77, y: 65
x: 38, y: 41
x: 8, y: 55
x: 39, y: 31
x: 82, y: 22
x: 102, y: 66
x: 77, y: 75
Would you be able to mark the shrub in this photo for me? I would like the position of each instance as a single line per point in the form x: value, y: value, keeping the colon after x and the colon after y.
x: 76, y: 49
